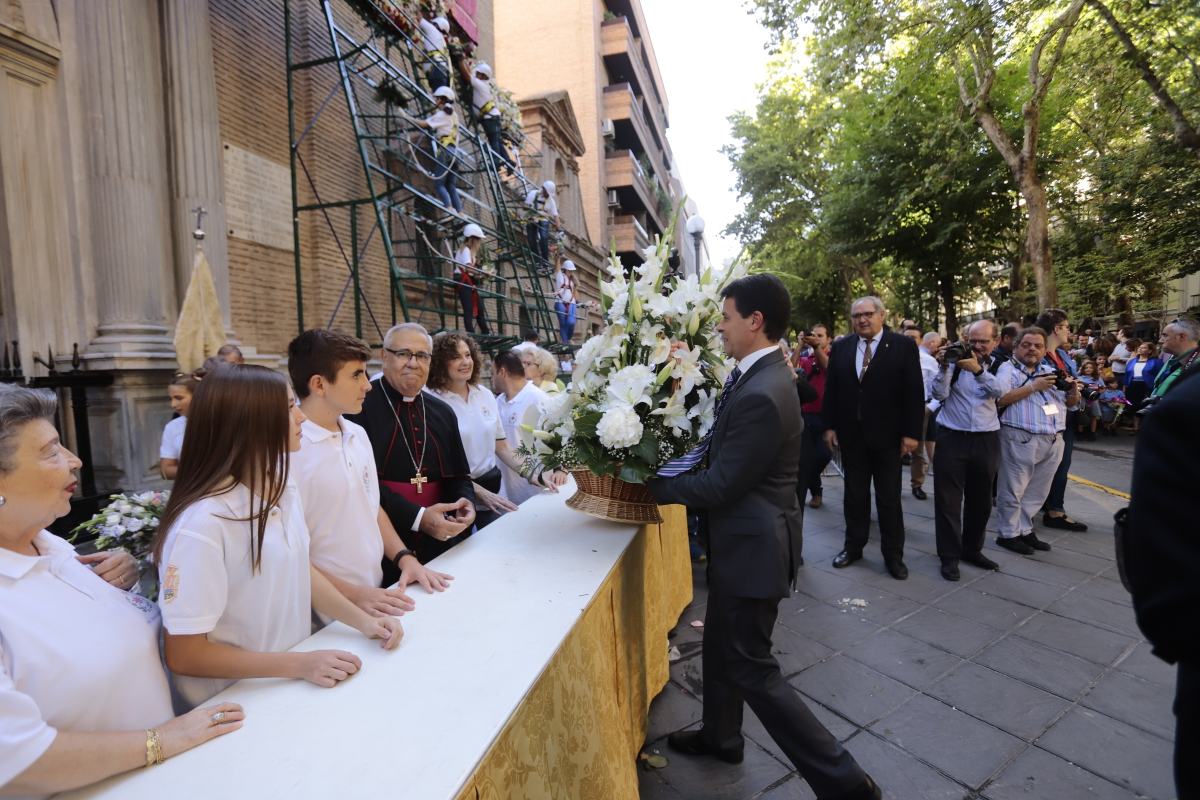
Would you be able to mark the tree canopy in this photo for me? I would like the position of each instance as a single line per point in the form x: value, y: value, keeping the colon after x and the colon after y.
x: 960, y: 156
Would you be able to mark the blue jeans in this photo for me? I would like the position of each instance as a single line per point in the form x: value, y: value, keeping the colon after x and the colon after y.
x: 491, y: 129
x: 566, y: 320
x: 447, y: 192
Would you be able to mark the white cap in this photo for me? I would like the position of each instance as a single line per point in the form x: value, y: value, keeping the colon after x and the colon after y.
x: 549, y: 187
x: 569, y: 265
x: 444, y: 91
x: 472, y: 231
x: 484, y: 68
x: 441, y: 24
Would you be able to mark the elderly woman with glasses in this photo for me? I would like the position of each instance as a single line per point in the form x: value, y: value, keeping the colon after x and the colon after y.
x: 83, y: 694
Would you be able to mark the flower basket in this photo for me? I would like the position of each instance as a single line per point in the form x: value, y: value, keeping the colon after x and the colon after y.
x: 613, y: 499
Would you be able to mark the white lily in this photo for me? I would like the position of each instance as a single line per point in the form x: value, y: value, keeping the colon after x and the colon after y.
x: 630, y: 386
x: 675, y: 414
x: 687, y: 368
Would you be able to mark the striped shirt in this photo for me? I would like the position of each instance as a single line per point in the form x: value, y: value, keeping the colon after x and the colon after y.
x: 1029, y: 413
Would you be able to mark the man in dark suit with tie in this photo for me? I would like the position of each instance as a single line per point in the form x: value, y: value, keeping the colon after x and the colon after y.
x: 747, y: 494
x: 875, y: 401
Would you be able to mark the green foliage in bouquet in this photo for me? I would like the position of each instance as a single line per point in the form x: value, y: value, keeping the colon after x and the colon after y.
x: 129, y: 522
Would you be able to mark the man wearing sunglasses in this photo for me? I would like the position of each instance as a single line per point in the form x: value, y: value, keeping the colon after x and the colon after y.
x: 424, y: 477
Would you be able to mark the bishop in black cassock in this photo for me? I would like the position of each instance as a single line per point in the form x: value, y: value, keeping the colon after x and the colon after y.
x: 410, y: 431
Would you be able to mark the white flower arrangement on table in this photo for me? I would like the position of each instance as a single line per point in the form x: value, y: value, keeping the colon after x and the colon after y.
x: 129, y: 522
x: 644, y: 390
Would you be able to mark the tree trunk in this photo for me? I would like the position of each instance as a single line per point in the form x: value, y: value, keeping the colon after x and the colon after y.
x: 946, y: 288
x: 1037, y: 242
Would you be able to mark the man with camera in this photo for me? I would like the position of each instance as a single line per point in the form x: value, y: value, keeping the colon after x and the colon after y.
x: 968, y: 449
x: 1033, y: 418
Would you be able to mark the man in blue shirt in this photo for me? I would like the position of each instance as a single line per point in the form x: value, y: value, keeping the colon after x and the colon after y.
x: 968, y: 452
x: 1031, y: 440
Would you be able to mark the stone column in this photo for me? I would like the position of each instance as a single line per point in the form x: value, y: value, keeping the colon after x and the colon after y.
x: 194, y: 143
x: 126, y: 188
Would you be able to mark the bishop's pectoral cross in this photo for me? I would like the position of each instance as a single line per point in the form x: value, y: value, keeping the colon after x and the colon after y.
x: 419, y: 482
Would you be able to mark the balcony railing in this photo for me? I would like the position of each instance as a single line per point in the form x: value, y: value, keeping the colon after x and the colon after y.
x: 628, y: 235
x: 618, y: 44
x: 620, y: 103
x: 622, y: 171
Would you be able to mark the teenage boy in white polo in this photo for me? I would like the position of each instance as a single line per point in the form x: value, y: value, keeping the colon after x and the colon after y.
x: 335, y: 473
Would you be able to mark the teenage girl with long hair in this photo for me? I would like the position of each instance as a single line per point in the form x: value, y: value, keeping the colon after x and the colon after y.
x: 236, y: 586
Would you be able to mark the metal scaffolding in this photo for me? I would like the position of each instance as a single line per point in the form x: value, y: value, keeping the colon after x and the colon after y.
x: 393, y: 215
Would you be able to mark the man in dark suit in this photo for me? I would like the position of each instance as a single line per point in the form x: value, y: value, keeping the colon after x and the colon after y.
x: 747, y: 493
x: 1162, y: 557
x: 875, y: 403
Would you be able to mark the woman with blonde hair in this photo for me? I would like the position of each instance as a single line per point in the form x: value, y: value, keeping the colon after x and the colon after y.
x: 83, y: 695
x: 237, y: 588
x: 541, y: 367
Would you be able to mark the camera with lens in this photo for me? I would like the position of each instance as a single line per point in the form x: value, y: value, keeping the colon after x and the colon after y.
x: 1090, y: 394
x: 957, y: 352
x: 1061, y: 382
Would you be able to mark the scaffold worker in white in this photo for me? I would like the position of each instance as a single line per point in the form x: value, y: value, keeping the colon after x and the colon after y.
x: 483, y: 98
x: 443, y: 126
x: 1033, y: 418
x: 565, y: 301
x: 542, y: 205
x: 434, y: 31
x: 466, y: 268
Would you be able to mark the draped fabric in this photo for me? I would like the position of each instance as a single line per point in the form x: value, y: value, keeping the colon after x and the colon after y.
x: 578, y: 731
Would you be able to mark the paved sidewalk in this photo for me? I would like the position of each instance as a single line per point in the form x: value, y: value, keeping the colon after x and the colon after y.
x: 1029, y: 683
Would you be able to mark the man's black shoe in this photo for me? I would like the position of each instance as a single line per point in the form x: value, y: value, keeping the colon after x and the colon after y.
x: 845, y: 558
x: 1033, y: 541
x: 919, y: 493
x: 1016, y: 544
x: 981, y: 561
x: 950, y: 571
x: 1063, y: 522
x: 867, y: 790
x: 694, y: 744
x: 897, y: 570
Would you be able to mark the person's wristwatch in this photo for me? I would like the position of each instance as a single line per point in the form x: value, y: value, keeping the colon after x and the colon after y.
x: 402, y: 554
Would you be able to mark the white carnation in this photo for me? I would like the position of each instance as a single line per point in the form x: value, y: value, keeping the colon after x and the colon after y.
x: 619, y: 427
x: 133, y: 524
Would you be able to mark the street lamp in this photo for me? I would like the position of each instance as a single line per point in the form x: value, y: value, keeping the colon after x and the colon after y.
x: 695, y: 227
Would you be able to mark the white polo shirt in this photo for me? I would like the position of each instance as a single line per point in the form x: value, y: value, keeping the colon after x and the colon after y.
x: 478, y: 425
x: 522, y: 409
x: 76, y: 654
x: 339, y: 491
x: 207, y: 585
x: 481, y: 95
x: 172, y: 438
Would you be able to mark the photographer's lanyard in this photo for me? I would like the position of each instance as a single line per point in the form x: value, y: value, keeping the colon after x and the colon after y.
x: 1029, y: 378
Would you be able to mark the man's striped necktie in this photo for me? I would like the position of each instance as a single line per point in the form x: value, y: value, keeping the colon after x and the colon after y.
x: 692, y: 458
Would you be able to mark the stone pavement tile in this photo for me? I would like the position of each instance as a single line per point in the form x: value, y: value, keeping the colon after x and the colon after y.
x: 1113, y: 616
x: 1134, y: 701
x: 1098, y: 543
x: 1072, y: 559
x: 985, y: 608
x: 993, y: 697
x: 1019, y: 590
x: 904, y: 658
x: 1037, y: 773
x: 841, y: 728
x: 1056, y: 672
x: 1105, y: 589
x: 704, y: 776
x: 688, y: 674
x: 960, y: 636
x: 1143, y: 663
x: 828, y: 625
x: 674, y: 709
x: 653, y: 787
x: 683, y: 631
x: 925, y: 584
x: 899, y: 775
x: 882, y: 607
x: 959, y: 745
x: 1123, y: 754
x: 1074, y: 637
x: 1033, y: 568
x: 794, y: 788
x: 795, y: 651
x: 857, y: 692
x: 823, y: 585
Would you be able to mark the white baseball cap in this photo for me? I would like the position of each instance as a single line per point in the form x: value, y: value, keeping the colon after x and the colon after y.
x: 549, y: 187
x: 569, y: 265
x: 472, y: 231
x: 441, y: 24
x: 484, y: 68
x: 444, y: 91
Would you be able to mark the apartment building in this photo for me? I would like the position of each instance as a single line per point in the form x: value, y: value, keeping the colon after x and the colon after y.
x: 600, y: 53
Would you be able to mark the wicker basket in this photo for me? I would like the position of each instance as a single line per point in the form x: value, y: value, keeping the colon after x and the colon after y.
x: 613, y: 499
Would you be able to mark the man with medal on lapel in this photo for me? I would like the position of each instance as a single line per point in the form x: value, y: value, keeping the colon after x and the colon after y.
x: 424, y: 477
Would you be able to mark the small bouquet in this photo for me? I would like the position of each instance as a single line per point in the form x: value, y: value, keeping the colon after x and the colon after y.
x: 642, y: 392
x: 129, y: 522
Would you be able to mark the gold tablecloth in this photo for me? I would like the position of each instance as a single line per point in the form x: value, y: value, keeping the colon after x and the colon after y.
x: 576, y: 735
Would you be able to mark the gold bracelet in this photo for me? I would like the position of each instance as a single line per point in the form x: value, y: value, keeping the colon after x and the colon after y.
x: 154, y: 754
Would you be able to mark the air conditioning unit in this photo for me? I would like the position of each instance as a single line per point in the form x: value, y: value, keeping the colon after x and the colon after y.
x: 613, y: 200
x: 607, y: 128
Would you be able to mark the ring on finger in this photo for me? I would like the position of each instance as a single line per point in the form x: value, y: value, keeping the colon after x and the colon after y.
x: 218, y: 718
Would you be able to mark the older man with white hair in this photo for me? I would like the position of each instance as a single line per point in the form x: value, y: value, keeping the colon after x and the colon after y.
x: 1180, y: 339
